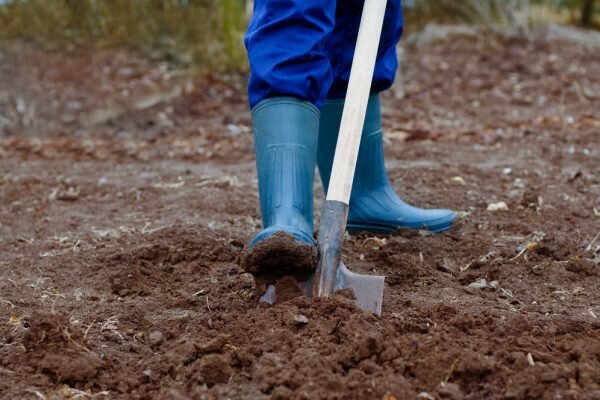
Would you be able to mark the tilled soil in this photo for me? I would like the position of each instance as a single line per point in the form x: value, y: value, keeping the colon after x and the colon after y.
x: 120, y: 240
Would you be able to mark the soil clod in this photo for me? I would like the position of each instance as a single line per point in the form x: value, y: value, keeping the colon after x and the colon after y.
x: 56, y: 348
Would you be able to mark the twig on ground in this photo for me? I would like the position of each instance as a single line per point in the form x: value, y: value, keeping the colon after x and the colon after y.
x: 466, y: 267
x: 109, y: 324
x: 208, y: 305
x: 528, y: 246
x: 37, y: 393
x: 88, y: 330
x: 452, y: 368
x: 9, y: 303
x: 67, y: 334
x: 72, y: 393
x: 589, y: 246
x: 222, y: 182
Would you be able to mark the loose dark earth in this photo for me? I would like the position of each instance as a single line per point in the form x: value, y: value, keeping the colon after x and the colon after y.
x: 128, y: 192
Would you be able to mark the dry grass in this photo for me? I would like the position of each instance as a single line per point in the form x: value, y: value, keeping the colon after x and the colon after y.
x: 523, y: 15
x: 199, y: 32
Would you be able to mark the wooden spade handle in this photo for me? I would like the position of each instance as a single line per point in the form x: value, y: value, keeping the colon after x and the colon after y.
x: 357, y: 97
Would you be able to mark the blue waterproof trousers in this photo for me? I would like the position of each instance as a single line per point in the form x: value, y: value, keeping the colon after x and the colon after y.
x: 304, y: 48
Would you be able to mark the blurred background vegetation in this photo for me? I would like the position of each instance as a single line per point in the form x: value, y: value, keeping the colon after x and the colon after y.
x: 208, y: 33
x: 504, y: 12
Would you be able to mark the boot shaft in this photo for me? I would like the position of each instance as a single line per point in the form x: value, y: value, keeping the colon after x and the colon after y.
x: 370, y: 166
x: 285, y: 142
x: 374, y: 204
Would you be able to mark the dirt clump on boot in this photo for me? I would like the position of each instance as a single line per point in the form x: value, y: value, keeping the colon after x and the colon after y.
x: 279, y: 255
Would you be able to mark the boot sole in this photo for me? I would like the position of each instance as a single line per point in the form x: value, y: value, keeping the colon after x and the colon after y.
x: 357, y: 227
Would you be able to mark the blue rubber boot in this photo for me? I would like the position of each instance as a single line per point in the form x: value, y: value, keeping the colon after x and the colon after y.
x: 285, y: 142
x: 374, y: 206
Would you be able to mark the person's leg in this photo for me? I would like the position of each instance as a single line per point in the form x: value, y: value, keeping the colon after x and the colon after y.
x: 285, y: 44
x: 374, y: 204
x: 290, y: 77
x: 340, y: 46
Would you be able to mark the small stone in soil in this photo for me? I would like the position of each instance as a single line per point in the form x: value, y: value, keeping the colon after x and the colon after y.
x: 156, y: 338
x: 300, y: 319
x: 479, y: 284
x: 500, y: 206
